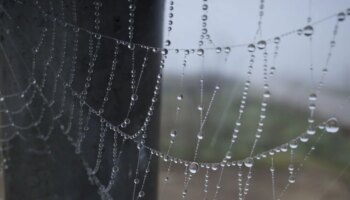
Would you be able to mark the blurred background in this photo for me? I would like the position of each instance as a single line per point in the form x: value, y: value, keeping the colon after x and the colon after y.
x: 326, y: 175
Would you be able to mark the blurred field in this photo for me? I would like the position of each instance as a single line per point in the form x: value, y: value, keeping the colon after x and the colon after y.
x: 326, y: 175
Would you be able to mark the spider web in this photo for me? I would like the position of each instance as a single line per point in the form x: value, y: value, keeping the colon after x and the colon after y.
x: 76, y: 106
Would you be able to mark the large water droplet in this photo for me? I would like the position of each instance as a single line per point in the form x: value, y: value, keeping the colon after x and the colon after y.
x: 308, y: 30
x: 180, y: 97
x: 262, y: 44
x: 332, y: 125
x: 248, y: 162
x: 251, y: 48
x: 291, y: 179
x: 194, y: 167
x: 164, y: 52
x: 200, y: 52
x: 205, y: 7
x: 227, y: 49
x: 218, y: 49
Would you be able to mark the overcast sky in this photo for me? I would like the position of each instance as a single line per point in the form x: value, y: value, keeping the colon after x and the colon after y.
x: 235, y: 22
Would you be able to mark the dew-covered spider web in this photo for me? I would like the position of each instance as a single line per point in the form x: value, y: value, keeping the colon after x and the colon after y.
x: 220, y: 126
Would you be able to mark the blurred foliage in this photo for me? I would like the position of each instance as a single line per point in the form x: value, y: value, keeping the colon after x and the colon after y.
x: 281, y: 124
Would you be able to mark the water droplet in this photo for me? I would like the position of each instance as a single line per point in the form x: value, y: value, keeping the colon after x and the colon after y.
x: 300, y: 31
x: 267, y: 94
x: 194, y: 167
x: 218, y: 49
x: 262, y: 44
x: 2, y: 98
x: 313, y: 97
x: 214, y: 166
x: 141, y: 194
x: 332, y: 125
x: 248, y: 162
x: 98, y: 36
x: 200, y: 135
x: 200, y: 107
x: 304, y: 138
x: 291, y: 167
x: 164, y: 52
x: 134, y: 97
x: 228, y: 155
x: 136, y: 181
x: 205, y: 7
x: 173, y: 133
x: 308, y: 30
x: 180, y: 97
x: 293, y: 144
x: 227, y: 49
x: 284, y: 148
x: 277, y: 40
x: 167, y: 42
x: 341, y: 16
x: 312, y: 106
x: 200, y: 52
x: 217, y: 87
x: 291, y: 179
x: 251, y: 48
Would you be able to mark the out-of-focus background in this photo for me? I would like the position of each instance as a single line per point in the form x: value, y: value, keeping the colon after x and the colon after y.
x: 326, y: 175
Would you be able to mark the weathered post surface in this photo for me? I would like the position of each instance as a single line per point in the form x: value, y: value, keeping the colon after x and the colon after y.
x: 50, y: 169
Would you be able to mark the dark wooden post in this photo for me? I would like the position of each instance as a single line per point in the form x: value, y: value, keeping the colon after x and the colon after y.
x: 50, y: 169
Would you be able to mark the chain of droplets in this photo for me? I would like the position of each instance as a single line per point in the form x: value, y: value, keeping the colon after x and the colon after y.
x: 34, y: 122
x: 116, y: 158
x: 173, y: 133
x: 51, y: 51
x: 291, y: 168
x: 170, y: 22
x: 204, y: 19
x: 131, y: 27
x: 261, y: 14
x: 110, y: 80
x: 134, y: 96
x: 273, y: 179
x: 193, y: 167
x: 313, y: 96
x: 62, y: 62
x: 141, y: 192
x: 136, y: 179
x: 126, y: 43
x: 93, y: 57
x: 93, y: 54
